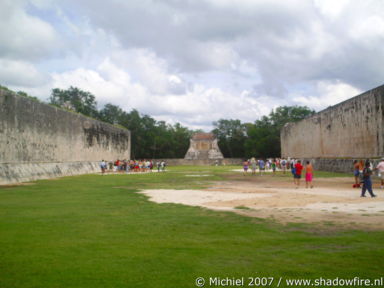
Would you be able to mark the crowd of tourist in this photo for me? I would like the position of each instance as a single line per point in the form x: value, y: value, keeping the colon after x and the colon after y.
x: 128, y: 166
x: 362, y: 171
x: 292, y: 165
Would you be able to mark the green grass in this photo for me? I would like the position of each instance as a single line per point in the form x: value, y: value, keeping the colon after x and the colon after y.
x: 96, y: 231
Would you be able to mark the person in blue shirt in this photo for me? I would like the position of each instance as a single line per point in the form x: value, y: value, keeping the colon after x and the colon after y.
x: 367, y: 182
x: 261, y: 166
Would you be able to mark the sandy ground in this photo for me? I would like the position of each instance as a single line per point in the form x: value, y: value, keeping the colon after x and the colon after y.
x: 331, y: 202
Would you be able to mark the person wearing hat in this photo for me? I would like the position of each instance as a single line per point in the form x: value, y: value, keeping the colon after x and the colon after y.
x: 380, y: 169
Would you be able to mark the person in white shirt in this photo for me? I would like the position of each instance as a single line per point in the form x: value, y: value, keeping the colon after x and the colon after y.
x: 103, y: 166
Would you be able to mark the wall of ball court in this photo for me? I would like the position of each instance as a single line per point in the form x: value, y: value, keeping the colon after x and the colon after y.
x: 41, y: 141
x: 334, y: 137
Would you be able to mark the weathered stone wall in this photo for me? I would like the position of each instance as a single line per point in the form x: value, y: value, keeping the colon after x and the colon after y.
x: 23, y: 172
x: 351, y: 129
x: 34, y: 135
x: 336, y: 165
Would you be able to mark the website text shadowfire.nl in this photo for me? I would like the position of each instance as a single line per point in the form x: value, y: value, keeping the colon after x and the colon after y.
x: 277, y: 282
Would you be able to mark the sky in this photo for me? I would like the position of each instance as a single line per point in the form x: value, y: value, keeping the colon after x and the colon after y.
x: 195, y: 61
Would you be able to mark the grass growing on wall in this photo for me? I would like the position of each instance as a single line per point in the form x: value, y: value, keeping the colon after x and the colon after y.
x: 96, y: 231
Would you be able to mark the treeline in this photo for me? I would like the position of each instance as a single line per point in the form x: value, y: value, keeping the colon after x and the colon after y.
x: 157, y: 139
x: 259, y: 139
x: 150, y: 138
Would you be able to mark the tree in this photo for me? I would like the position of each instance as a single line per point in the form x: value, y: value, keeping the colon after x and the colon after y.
x: 111, y: 113
x: 263, y: 139
x: 231, y: 136
x: 264, y: 135
x: 155, y: 139
x: 285, y: 114
x: 180, y: 136
x: 132, y: 121
x: 73, y: 98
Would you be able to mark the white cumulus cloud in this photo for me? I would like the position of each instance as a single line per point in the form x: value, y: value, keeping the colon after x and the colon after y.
x: 195, y: 61
x: 327, y: 93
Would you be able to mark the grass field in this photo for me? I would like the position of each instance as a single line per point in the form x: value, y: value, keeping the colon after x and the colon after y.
x: 96, y: 231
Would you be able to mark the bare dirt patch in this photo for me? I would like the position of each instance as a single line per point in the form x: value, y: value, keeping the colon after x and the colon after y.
x: 331, y: 202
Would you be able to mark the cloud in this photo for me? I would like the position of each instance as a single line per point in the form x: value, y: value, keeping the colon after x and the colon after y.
x: 23, y: 36
x: 147, y: 68
x: 327, y: 93
x: 20, y: 73
x: 196, y: 61
x: 330, y: 8
x: 196, y: 106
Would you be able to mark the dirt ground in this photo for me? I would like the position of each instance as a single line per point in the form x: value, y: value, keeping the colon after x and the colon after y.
x: 332, y: 202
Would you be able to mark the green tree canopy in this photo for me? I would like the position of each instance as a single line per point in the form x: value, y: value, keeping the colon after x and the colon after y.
x: 285, y: 114
x: 264, y: 135
x: 150, y: 138
x: 231, y: 135
x: 157, y: 139
x: 73, y: 98
x: 111, y: 113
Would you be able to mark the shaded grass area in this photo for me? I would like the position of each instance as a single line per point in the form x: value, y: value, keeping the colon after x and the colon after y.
x: 95, y: 231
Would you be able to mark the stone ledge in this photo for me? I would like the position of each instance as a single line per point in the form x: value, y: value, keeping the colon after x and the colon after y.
x: 24, y: 172
x: 335, y: 165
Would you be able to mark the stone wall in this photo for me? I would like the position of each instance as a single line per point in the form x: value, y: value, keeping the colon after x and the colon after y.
x: 336, y: 165
x: 40, y: 141
x: 23, y: 172
x: 351, y: 129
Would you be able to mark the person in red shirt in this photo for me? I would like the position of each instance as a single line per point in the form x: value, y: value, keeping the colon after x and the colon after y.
x: 297, y: 175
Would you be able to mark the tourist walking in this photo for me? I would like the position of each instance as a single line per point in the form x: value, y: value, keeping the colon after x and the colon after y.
x: 267, y: 165
x: 297, y: 176
x: 291, y: 164
x: 273, y: 165
x: 283, y: 165
x: 261, y: 166
x: 163, y: 164
x: 103, y: 166
x: 253, y: 164
x: 356, y: 173
x: 380, y: 172
x: 308, y: 175
x: 245, y: 166
x: 367, y: 182
x: 361, y: 165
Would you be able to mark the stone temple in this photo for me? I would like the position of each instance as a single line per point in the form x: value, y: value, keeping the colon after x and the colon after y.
x: 203, y: 146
